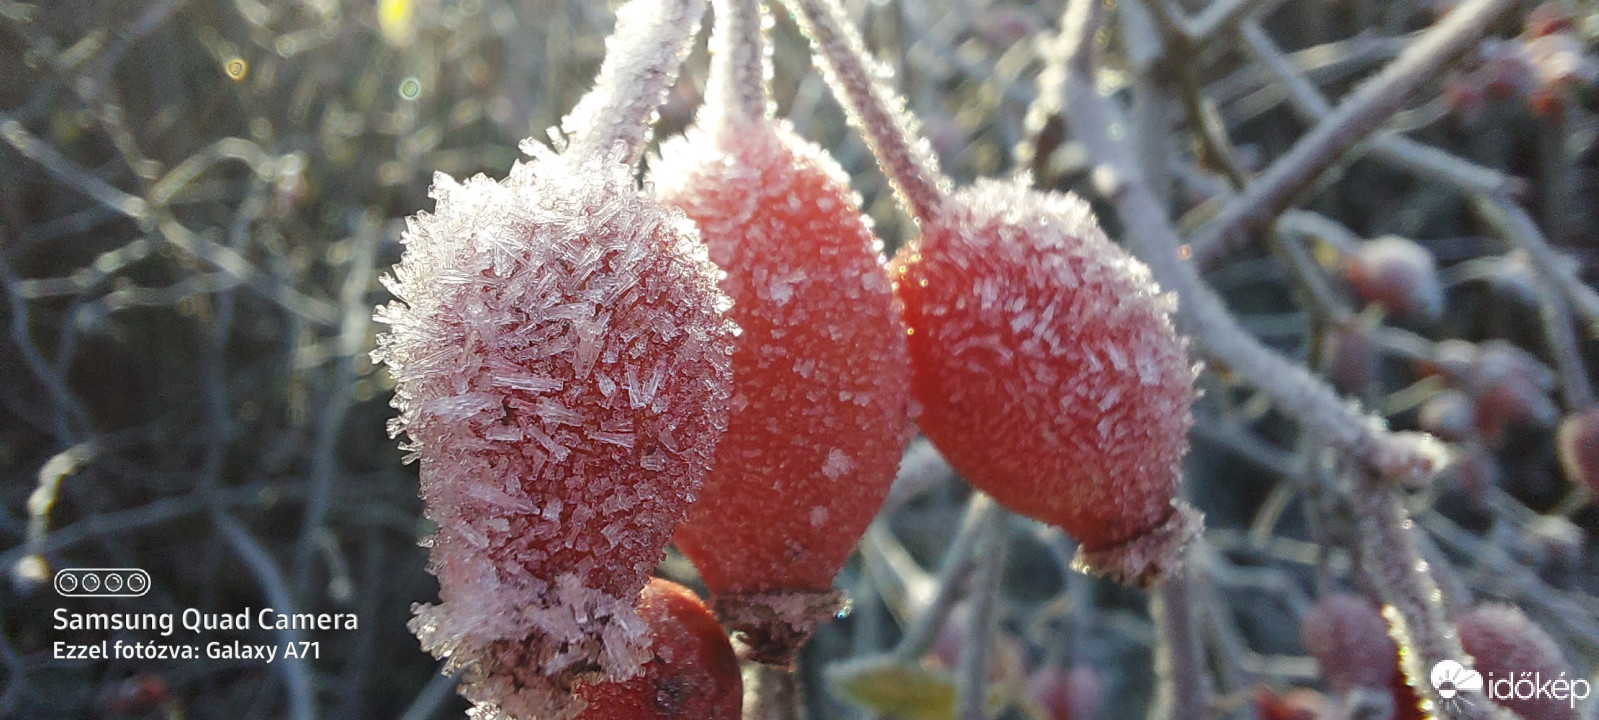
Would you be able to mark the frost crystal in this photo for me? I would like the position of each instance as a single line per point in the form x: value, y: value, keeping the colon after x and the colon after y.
x: 554, y: 495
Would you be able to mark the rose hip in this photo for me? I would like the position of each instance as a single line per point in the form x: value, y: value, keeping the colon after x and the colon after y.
x: 692, y: 673
x: 820, y: 397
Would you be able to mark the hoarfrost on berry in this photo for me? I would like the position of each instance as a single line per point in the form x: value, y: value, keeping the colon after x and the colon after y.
x: 517, y: 303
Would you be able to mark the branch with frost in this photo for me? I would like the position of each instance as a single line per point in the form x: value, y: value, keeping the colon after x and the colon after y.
x: 1417, y: 619
x: 1397, y: 150
x: 970, y: 694
x: 1490, y: 192
x: 1200, y: 312
x: 1181, y: 691
x: 1355, y: 119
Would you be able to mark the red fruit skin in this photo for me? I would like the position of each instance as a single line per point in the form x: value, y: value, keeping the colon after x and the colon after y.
x: 1349, y: 639
x: 1296, y: 704
x: 1578, y: 443
x: 1062, y: 694
x: 522, y: 318
x: 1505, y: 644
x: 694, y: 674
x: 1511, y: 388
x: 1547, y: 19
x: 820, y: 396
x: 1398, y: 275
x: 1407, y: 704
x: 1045, y: 363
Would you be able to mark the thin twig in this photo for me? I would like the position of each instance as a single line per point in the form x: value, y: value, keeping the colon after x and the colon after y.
x: 1180, y: 676
x: 340, y: 396
x: 296, y: 673
x: 1518, y: 227
x: 971, y: 694
x: 957, y: 566
x: 1353, y: 120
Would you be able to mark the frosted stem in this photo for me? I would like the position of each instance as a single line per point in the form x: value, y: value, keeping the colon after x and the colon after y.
x: 971, y: 696
x: 874, y: 108
x: 1411, y: 598
x: 642, y: 58
x: 772, y: 693
x: 741, y: 61
x: 1181, y: 691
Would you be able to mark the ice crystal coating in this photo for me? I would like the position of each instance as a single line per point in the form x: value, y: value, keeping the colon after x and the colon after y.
x: 1048, y: 370
x: 692, y: 674
x: 1399, y: 275
x: 820, y: 396
x: 1348, y: 637
x: 1577, y: 441
x: 1505, y: 645
x: 562, y: 370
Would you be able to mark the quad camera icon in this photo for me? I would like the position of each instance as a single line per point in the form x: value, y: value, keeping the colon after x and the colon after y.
x: 102, y: 582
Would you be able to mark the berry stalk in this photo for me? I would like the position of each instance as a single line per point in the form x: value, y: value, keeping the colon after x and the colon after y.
x: 875, y: 110
x: 741, y: 63
x: 642, y: 59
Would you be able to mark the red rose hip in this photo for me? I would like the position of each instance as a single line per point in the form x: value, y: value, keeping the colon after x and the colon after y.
x: 820, y: 398
x: 692, y: 673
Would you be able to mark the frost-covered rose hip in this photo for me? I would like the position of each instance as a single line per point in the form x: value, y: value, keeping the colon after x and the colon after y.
x: 1399, y: 275
x: 1348, y: 637
x: 692, y: 673
x: 820, y: 394
x: 1043, y: 356
x: 1508, y: 646
x: 562, y: 371
x: 1048, y: 370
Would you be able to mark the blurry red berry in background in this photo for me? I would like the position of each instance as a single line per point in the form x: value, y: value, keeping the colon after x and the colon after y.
x: 1399, y: 275
x: 1508, y: 646
x: 1352, y: 360
x: 1549, y: 18
x: 1057, y: 693
x: 1348, y: 637
x: 1295, y: 704
x: 693, y: 674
